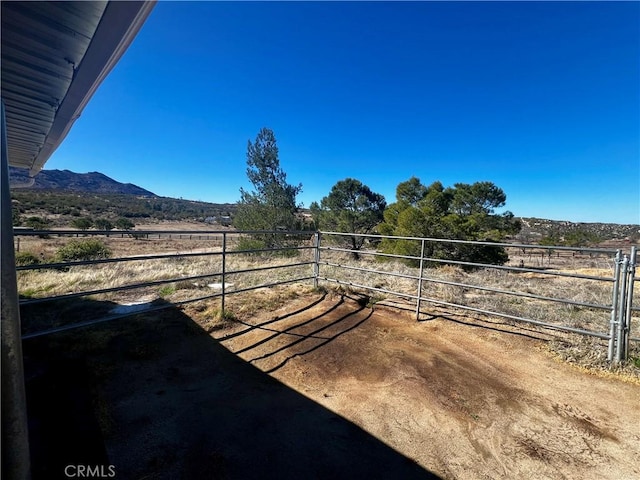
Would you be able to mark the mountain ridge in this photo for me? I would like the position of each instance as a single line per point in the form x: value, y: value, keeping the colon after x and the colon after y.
x: 68, y: 181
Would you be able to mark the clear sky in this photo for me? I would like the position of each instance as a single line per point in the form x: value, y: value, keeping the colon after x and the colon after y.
x: 541, y: 98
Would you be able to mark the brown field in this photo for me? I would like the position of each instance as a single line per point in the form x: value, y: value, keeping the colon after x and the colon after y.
x: 320, y: 384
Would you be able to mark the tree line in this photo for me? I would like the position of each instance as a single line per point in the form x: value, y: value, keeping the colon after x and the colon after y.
x: 461, y: 212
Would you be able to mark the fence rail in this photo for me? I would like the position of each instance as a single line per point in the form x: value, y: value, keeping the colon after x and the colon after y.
x: 615, y: 300
x: 597, y: 284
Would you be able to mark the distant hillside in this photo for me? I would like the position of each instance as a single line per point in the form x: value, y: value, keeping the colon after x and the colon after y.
x: 67, y: 181
x: 534, y: 229
x: 60, y: 208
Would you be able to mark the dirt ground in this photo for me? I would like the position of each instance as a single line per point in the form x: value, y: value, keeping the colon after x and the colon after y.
x: 328, y: 387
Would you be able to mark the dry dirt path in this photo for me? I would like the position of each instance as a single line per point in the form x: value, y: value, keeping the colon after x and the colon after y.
x: 465, y: 402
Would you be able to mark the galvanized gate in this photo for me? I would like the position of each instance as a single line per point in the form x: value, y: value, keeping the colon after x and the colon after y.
x: 622, y: 311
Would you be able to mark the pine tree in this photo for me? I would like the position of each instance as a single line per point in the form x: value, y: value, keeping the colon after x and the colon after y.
x: 272, y: 204
x: 350, y: 207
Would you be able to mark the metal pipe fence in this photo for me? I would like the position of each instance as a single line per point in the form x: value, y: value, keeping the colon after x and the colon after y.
x: 588, y: 291
x: 216, y: 262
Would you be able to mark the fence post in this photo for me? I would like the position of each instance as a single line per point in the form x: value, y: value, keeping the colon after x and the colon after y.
x: 316, y: 259
x: 622, y: 310
x: 224, y: 268
x: 614, y: 307
x: 420, y: 281
x: 632, y: 275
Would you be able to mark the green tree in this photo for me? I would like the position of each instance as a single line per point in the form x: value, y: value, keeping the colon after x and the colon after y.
x: 37, y: 223
x: 478, y: 198
x: 124, y: 224
x: 350, y: 207
x: 82, y: 223
x: 461, y: 212
x: 411, y: 191
x: 103, y: 224
x: 272, y: 204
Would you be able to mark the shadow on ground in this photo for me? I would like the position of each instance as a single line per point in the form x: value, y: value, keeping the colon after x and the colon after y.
x: 271, y: 344
x: 155, y: 397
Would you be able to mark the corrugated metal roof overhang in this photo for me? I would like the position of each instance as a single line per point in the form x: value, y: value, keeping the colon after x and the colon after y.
x: 54, y: 57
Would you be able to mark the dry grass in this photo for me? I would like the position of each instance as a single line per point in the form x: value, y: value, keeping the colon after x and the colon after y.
x: 577, y: 290
x: 576, y: 349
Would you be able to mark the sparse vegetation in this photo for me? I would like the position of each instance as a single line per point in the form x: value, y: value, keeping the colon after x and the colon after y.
x: 571, y: 237
x: 166, y: 290
x: 124, y: 224
x: 554, y: 231
x: 16, y: 217
x: 60, y: 208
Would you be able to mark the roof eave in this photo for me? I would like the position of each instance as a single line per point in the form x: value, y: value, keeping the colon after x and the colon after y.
x: 118, y: 27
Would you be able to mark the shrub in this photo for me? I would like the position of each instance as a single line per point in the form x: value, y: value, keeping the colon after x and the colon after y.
x: 260, y: 242
x: 37, y: 223
x: 251, y: 244
x: 26, y: 258
x: 82, y: 223
x: 91, y: 249
x: 124, y: 224
x: 166, y: 290
x: 103, y: 224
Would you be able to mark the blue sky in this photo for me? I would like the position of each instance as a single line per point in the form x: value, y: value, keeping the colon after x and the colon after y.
x: 541, y: 98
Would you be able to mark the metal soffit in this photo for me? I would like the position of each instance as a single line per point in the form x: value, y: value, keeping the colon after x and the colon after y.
x: 54, y: 57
